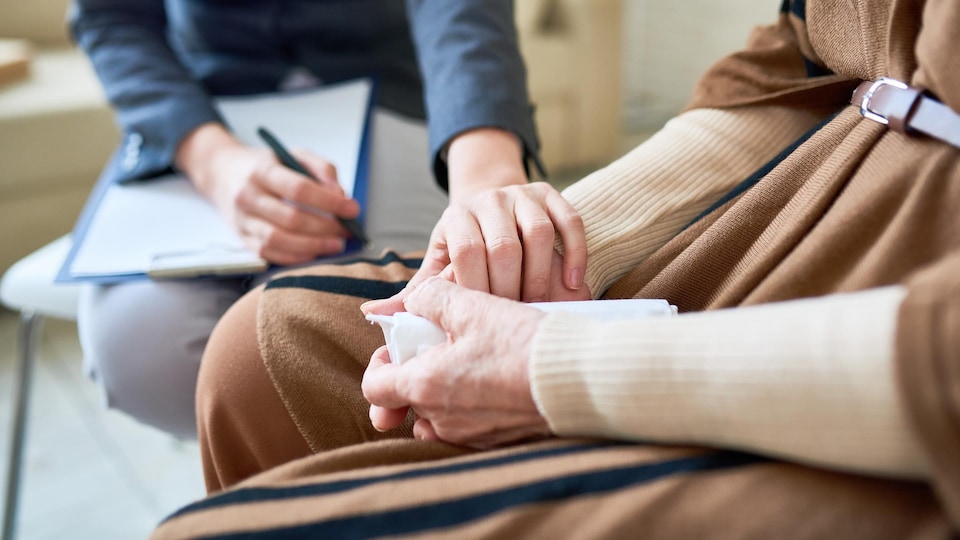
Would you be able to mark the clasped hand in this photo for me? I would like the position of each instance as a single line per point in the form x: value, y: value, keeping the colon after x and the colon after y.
x: 474, y: 390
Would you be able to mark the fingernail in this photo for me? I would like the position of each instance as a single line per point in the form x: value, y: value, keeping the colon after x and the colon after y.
x: 364, y: 307
x: 373, y: 422
x: 576, y: 278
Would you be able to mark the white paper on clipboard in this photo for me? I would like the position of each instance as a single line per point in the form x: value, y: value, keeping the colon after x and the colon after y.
x: 164, y: 228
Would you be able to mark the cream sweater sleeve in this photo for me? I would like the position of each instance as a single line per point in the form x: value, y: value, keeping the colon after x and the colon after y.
x: 808, y: 380
x: 635, y: 205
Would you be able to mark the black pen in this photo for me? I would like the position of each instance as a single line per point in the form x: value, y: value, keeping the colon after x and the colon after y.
x: 351, y: 225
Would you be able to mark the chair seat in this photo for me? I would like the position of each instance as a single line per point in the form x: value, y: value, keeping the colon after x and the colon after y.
x: 28, y: 284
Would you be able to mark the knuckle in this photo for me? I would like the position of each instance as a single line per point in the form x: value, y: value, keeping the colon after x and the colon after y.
x: 495, y: 196
x: 289, y: 218
x: 429, y: 387
x: 328, y: 169
x: 299, y: 191
x: 511, y: 190
x: 243, y: 198
x: 504, y: 247
x: 454, y: 209
x: 292, y: 220
x: 466, y: 248
x: 419, y: 393
x: 540, y: 187
x: 270, y: 239
x: 537, y: 283
x: 539, y: 229
x: 449, y: 214
x: 572, y: 218
x: 535, y: 290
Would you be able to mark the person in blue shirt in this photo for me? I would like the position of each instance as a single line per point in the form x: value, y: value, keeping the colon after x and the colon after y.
x: 451, y: 88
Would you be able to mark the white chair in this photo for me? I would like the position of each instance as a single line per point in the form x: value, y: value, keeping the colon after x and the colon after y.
x: 28, y: 287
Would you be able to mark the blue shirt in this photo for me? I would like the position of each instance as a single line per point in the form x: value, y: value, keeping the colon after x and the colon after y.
x: 160, y: 61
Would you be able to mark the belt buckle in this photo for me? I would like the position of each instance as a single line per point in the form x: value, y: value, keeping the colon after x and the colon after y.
x: 865, y: 103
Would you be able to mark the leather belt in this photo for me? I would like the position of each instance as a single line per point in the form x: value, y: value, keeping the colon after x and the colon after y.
x: 906, y: 109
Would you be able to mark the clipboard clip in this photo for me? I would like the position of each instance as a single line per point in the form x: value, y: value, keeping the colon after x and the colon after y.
x: 213, y: 260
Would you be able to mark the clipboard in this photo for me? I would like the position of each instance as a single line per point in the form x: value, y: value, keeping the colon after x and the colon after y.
x: 163, y: 228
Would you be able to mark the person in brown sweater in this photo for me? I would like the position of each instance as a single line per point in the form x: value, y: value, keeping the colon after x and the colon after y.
x: 803, y: 214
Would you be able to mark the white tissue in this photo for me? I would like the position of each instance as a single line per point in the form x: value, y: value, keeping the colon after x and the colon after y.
x: 408, y: 335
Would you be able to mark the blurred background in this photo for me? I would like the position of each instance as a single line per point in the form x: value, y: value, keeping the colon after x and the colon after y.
x: 603, y: 74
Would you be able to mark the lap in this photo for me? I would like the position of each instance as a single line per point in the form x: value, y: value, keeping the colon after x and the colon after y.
x: 315, y: 344
x: 280, y: 378
x: 559, y: 488
x: 142, y: 342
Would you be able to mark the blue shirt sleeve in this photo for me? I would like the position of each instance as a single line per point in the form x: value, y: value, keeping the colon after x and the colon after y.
x: 474, y: 75
x: 468, y: 56
x: 156, y: 100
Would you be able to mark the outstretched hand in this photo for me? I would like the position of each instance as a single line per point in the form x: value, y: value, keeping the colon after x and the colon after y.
x: 473, y: 390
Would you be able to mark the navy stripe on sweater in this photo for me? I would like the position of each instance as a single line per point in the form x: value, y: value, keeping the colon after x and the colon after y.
x: 428, y: 517
x: 325, y: 488
x: 362, y: 288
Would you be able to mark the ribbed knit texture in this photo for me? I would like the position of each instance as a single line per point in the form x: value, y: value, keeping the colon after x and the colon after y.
x: 808, y: 380
x: 855, y: 209
x: 674, y: 176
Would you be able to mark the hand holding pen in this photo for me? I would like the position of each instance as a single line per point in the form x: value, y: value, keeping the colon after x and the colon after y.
x: 286, y: 159
x: 281, y: 215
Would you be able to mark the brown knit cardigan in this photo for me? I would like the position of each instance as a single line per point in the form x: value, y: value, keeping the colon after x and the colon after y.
x: 856, y: 206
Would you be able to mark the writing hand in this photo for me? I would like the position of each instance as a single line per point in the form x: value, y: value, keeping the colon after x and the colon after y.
x: 283, y: 216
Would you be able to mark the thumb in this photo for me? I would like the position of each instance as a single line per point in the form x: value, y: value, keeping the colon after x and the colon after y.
x: 384, y: 306
x: 389, y: 306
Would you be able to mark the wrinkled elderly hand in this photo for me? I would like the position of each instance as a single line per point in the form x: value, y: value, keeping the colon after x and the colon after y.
x: 473, y: 390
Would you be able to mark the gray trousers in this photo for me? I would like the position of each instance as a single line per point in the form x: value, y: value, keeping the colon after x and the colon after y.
x: 143, y: 340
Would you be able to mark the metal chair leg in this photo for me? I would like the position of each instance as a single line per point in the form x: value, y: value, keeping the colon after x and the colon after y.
x: 30, y: 324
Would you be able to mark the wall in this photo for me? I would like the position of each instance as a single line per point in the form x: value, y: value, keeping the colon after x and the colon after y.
x: 669, y: 44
